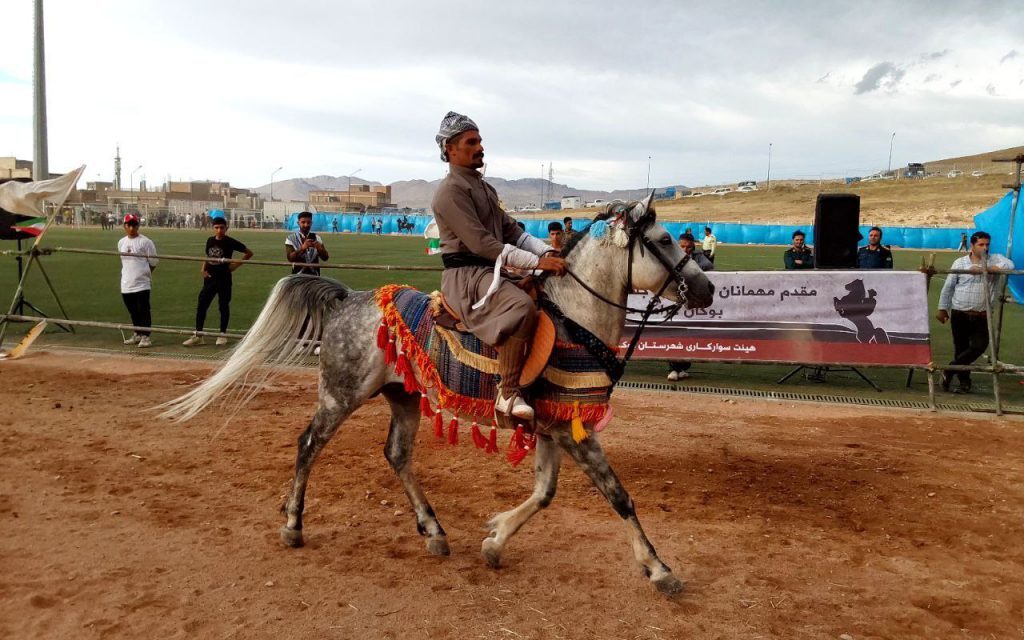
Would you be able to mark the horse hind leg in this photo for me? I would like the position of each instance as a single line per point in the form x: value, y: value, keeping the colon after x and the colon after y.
x: 321, y: 429
x: 405, y: 422
x: 591, y: 459
x: 504, y: 525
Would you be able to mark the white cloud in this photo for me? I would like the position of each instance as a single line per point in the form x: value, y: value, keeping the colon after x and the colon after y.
x: 214, y: 89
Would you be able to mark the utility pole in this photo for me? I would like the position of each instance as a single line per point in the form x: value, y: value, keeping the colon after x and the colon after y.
x: 769, y: 178
x: 891, y: 140
x: 648, y: 176
x: 40, y: 160
x: 272, y: 173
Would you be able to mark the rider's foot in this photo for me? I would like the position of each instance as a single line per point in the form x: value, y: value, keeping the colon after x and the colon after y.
x: 513, y: 405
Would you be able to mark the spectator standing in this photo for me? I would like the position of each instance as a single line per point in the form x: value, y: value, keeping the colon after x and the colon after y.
x: 798, y: 256
x: 137, y: 278
x: 962, y: 302
x: 217, y: 279
x: 963, y: 243
x: 874, y: 255
x: 679, y: 369
x: 709, y: 245
x: 556, y: 236
x: 334, y: 224
x: 570, y: 233
x: 303, y: 247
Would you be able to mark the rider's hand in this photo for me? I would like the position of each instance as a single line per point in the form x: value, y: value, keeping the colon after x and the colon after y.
x: 552, y: 263
x: 942, y: 316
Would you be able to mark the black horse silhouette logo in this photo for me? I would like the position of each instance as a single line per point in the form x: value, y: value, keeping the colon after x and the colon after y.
x: 856, y: 306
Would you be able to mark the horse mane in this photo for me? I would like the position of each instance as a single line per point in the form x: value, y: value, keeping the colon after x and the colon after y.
x: 611, y: 209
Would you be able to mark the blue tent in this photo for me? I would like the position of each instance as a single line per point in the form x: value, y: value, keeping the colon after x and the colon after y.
x: 996, y: 221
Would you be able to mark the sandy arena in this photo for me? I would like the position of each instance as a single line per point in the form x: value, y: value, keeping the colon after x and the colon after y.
x: 786, y: 521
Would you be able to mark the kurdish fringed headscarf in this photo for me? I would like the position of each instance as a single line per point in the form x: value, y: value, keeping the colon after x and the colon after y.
x: 452, y: 125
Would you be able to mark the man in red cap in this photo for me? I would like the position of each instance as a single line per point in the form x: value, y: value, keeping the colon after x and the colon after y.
x: 137, y: 278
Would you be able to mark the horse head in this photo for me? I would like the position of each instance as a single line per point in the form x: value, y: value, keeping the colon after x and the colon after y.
x: 656, y: 263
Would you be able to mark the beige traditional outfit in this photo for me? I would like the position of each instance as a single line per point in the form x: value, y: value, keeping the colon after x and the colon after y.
x: 477, y: 239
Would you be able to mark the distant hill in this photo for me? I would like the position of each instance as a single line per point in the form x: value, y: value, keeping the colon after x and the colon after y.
x: 418, y: 193
x: 982, y: 161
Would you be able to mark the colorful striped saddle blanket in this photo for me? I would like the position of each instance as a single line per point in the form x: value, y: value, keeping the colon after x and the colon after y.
x: 461, y: 372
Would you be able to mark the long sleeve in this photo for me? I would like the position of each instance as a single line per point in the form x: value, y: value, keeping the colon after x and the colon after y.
x: 787, y: 259
x: 946, y: 296
x: 456, y: 216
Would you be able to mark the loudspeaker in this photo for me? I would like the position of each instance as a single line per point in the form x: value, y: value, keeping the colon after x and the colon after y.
x: 836, y: 233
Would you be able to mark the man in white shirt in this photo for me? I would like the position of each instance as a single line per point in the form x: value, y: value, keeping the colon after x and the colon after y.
x: 963, y: 303
x: 137, y: 277
x: 709, y: 244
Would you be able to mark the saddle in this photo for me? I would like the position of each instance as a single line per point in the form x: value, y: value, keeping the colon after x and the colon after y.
x: 541, y: 343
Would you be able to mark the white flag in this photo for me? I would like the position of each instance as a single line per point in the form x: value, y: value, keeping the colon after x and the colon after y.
x: 27, y: 198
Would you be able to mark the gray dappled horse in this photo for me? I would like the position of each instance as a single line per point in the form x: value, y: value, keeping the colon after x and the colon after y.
x: 352, y: 370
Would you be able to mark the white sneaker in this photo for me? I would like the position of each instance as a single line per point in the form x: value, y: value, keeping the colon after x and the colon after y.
x: 316, y: 351
x: 134, y: 339
x: 514, y: 406
x: 683, y: 375
x: 194, y: 341
x: 673, y: 375
x: 144, y: 342
x: 221, y: 341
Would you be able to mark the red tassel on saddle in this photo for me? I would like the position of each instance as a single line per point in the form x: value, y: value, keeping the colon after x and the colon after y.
x: 402, y: 365
x: 382, y: 336
x: 492, y: 441
x: 425, y: 405
x: 479, y: 441
x: 517, y: 447
x: 453, y: 431
x: 438, y: 424
x: 390, y: 353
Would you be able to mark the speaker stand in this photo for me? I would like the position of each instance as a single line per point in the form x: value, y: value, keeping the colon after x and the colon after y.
x: 820, y: 373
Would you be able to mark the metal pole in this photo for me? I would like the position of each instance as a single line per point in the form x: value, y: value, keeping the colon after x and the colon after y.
x: 769, y: 179
x: 40, y: 161
x: 891, y: 140
x: 272, y: 182
x: 993, y: 354
x: 1009, y: 247
x: 648, y: 188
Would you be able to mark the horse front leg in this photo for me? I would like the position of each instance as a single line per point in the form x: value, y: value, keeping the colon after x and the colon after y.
x: 405, y: 422
x: 591, y: 459
x: 504, y: 525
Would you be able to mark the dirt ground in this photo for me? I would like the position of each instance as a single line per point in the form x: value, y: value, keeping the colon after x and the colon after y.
x: 786, y: 520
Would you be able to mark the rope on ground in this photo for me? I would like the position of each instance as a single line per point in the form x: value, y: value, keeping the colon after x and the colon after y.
x: 120, y: 326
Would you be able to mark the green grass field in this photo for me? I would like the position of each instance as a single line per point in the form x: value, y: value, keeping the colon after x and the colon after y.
x: 88, y: 287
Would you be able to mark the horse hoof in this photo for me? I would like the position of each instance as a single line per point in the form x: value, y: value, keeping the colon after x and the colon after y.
x: 292, y: 537
x: 491, y: 553
x: 438, y: 545
x: 670, y: 585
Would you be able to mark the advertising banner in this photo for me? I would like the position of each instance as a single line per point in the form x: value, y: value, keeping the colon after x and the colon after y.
x: 811, y: 317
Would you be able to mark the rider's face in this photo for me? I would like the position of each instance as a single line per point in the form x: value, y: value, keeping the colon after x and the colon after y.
x: 466, y: 150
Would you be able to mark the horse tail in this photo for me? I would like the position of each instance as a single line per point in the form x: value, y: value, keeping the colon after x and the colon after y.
x: 283, y: 335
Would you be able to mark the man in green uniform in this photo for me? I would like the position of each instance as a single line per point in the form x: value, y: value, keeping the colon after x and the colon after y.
x: 477, y: 239
x: 798, y: 256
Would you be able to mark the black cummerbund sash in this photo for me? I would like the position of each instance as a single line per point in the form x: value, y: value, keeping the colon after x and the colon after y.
x: 465, y: 259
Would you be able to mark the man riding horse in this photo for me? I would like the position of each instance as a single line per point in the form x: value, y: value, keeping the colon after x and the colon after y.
x: 477, y: 239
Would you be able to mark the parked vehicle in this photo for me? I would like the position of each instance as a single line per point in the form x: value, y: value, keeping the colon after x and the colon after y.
x: 747, y: 188
x: 955, y: 173
x: 596, y: 203
x: 721, y: 191
x: 695, y: 194
x: 977, y: 174
x: 747, y: 183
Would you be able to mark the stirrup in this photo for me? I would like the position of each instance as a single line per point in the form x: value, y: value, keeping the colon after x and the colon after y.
x: 514, y: 405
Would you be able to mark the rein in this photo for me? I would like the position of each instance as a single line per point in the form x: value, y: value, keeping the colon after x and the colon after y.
x: 612, y: 365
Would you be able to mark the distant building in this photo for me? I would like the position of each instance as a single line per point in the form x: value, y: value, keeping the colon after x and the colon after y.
x: 11, y: 167
x: 359, y: 197
x: 553, y: 205
x: 572, y: 202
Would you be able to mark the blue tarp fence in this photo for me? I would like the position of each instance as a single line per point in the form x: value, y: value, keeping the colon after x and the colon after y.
x: 727, y: 232
x: 996, y: 221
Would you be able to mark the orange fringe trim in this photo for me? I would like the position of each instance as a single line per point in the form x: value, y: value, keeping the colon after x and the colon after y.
x: 429, y: 378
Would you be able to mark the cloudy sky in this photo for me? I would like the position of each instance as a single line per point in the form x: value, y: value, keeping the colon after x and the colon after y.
x: 209, y: 89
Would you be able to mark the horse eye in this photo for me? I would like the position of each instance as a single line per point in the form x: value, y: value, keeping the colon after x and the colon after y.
x: 665, y: 240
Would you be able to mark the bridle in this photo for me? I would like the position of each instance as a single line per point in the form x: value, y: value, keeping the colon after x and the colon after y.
x: 637, y: 240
